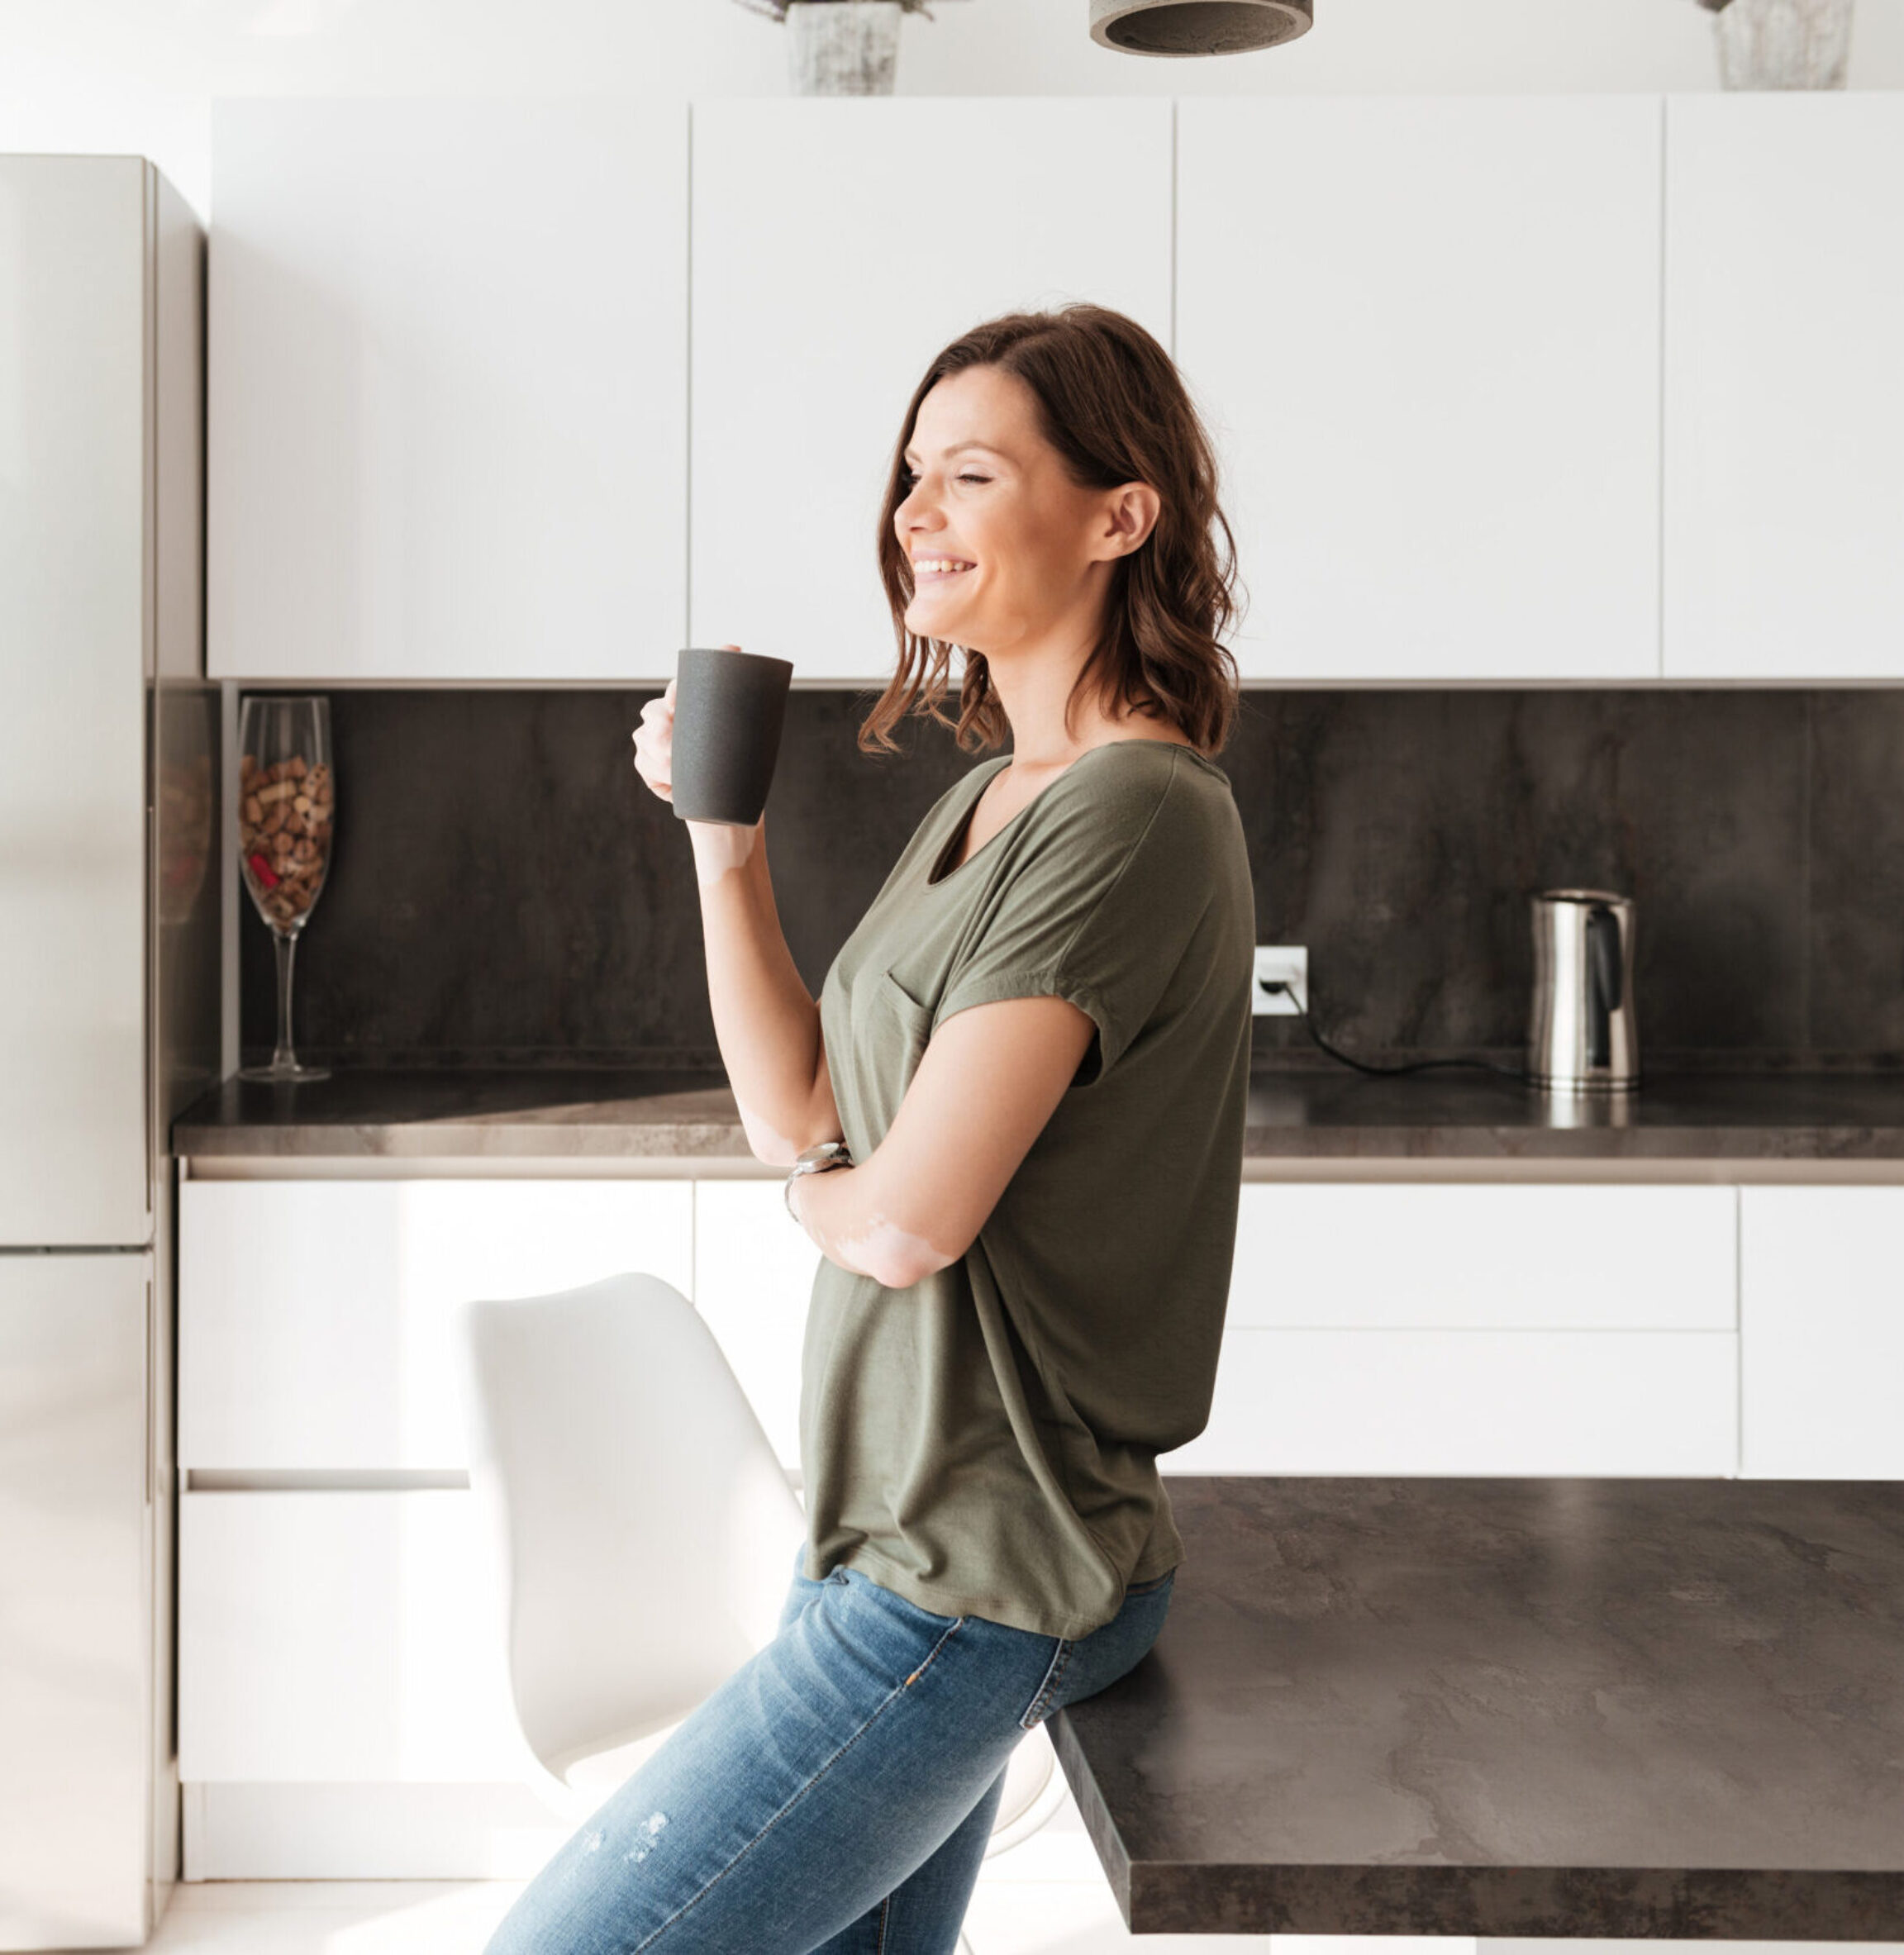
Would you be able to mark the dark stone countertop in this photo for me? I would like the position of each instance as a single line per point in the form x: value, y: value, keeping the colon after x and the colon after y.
x: 1738, y: 1126
x: 372, y: 1112
x: 1616, y: 1708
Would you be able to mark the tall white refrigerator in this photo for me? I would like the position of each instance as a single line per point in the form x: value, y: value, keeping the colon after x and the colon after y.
x: 109, y: 1011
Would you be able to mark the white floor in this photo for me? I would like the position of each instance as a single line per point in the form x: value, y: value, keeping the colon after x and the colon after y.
x: 1045, y: 1896
x: 455, y: 1918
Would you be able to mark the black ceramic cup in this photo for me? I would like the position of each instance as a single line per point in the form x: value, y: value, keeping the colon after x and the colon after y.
x: 729, y: 708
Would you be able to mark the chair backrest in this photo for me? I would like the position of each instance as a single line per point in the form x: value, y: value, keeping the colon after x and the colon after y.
x: 641, y: 1530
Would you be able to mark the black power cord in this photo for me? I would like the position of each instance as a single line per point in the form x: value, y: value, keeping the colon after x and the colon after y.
x: 1273, y: 985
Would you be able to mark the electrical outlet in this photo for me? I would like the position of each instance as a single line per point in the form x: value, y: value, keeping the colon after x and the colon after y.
x: 1290, y: 962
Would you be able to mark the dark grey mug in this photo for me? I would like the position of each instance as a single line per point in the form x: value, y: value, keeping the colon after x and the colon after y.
x: 729, y: 708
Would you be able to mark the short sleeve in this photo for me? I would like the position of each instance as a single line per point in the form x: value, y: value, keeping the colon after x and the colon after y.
x: 1099, y: 907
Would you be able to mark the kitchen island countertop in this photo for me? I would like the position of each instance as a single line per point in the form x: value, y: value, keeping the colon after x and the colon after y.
x: 1300, y: 1124
x: 1619, y: 1708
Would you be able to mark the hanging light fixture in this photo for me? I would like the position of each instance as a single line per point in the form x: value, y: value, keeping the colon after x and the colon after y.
x: 1198, y: 26
x: 1782, y: 44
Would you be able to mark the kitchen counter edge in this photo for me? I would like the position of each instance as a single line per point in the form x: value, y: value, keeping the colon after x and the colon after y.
x: 1727, y: 1127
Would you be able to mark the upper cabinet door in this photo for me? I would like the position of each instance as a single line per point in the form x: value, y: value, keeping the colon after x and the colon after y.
x: 839, y: 244
x: 1784, y: 408
x: 447, y: 423
x: 1426, y: 332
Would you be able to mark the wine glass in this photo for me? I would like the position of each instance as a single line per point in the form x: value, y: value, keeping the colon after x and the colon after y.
x: 286, y: 809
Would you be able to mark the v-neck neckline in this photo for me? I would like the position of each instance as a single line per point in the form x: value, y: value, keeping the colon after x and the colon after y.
x: 965, y: 820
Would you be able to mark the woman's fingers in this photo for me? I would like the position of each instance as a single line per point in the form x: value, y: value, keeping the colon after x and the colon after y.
x: 658, y: 733
x: 655, y: 755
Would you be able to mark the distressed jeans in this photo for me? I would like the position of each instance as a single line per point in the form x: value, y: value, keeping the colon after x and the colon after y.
x: 833, y: 1796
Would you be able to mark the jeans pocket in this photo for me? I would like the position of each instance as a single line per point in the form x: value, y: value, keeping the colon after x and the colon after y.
x: 1040, y: 1707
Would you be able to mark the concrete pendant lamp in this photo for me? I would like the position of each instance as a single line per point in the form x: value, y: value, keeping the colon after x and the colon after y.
x: 1198, y: 26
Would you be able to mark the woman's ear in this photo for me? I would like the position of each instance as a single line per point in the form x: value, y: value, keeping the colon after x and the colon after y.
x: 1134, y: 509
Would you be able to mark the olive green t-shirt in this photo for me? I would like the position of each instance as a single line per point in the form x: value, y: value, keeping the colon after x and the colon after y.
x: 984, y: 1442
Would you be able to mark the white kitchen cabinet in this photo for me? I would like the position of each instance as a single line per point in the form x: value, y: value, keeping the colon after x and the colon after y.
x: 328, y: 1635
x: 316, y: 1317
x: 1426, y: 333
x: 1784, y: 475
x: 447, y: 412
x: 837, y: 248
x: 367, y: 1830
x: 753, y: 1271
x: 1428, y: 1327
x: 1821, y: 1315
x: 1444, y: 1255
x: 1539, y: 1402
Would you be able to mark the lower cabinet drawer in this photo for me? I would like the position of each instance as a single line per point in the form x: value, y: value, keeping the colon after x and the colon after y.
x: 1470, y: 1401
x: 1448, y: 1256
x: 339, y: 1636
x: 314, y: 1317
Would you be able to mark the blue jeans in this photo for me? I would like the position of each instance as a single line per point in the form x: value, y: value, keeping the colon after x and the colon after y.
x: 833, y: 1796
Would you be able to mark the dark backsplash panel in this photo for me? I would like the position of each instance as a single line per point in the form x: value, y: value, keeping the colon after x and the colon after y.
x: 504, y: 890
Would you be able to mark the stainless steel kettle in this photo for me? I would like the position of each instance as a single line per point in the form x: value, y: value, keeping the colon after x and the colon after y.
x: 1582, y: 1035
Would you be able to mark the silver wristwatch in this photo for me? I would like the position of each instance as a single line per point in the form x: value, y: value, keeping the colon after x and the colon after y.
x: 815, y: 1159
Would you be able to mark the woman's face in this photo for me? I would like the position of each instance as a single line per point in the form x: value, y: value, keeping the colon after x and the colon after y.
x: 1038, y: 546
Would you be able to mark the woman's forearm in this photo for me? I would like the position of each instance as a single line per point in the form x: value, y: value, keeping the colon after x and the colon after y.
x: 764, y: 1018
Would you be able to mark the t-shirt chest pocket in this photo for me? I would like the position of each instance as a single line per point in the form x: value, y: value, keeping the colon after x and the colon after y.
x: 913, y: 1018
x: 889, y: 1028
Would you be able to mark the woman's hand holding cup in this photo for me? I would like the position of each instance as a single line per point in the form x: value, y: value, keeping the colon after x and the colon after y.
x: 718, y: 845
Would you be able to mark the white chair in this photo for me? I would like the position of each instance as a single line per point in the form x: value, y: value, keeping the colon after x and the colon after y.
x: 612, y: 1449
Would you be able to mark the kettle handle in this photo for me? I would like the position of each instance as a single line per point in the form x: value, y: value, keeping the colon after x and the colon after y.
x: 1603, y: 962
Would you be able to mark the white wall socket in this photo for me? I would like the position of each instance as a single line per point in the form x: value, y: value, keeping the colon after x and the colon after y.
x: 1289, y: 962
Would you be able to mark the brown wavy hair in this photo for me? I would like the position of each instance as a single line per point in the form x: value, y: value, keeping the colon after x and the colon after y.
x: 1110, y: 400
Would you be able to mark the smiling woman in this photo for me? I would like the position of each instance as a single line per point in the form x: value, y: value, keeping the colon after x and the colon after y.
x: 1035, y: 1049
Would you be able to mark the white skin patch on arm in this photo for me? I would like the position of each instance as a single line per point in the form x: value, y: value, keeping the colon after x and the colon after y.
x: 879, y: 1247
x: 719, y: 848
x: 882, y: 1244
x: 766, y: 1143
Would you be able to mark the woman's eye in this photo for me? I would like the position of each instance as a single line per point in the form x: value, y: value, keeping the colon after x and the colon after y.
x: 908, y: 477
